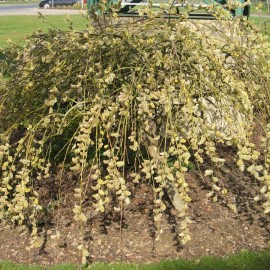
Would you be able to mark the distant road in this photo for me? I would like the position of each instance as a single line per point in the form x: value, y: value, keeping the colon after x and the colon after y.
x: 17, y: 6
x: 33, y: 9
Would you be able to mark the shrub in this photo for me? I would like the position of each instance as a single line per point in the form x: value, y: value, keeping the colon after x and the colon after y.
x: 128, y: 102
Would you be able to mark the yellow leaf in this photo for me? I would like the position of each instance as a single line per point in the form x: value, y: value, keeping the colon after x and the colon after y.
x: 76, y: 209
x: 80, y: 247
x: 101, y: 208
x: 120, y: 163
x: 85, y: 253
x: 170, y: 177
x: 101, y: 192
x: 233, y: 207
x: 208, y: 172
x: 216, y: 188
x: 224, y: 191
x: 83, y: 217
x: 100, y: 181
x: 26, y: 190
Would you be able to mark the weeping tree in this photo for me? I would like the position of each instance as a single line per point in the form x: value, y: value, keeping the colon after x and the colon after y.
x: 128, y: 103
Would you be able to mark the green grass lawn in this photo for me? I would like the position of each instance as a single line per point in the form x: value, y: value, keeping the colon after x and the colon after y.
x: 263, y: 23
x: 242, y: 261
x: 263, y: 11
x: 17, y: 28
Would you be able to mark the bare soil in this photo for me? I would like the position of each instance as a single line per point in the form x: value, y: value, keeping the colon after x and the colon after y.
x: 215, y: 228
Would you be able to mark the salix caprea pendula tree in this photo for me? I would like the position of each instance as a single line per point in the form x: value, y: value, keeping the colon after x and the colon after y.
x: 129, y: 103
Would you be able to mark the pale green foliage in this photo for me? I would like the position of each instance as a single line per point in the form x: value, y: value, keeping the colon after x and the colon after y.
x: 128, y: 100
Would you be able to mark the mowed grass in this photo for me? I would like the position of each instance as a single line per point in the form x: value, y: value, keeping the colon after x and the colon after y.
x: 17, y: 28
x: 263, y: 23
x: 263, y: 10
x: 242, y: 261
